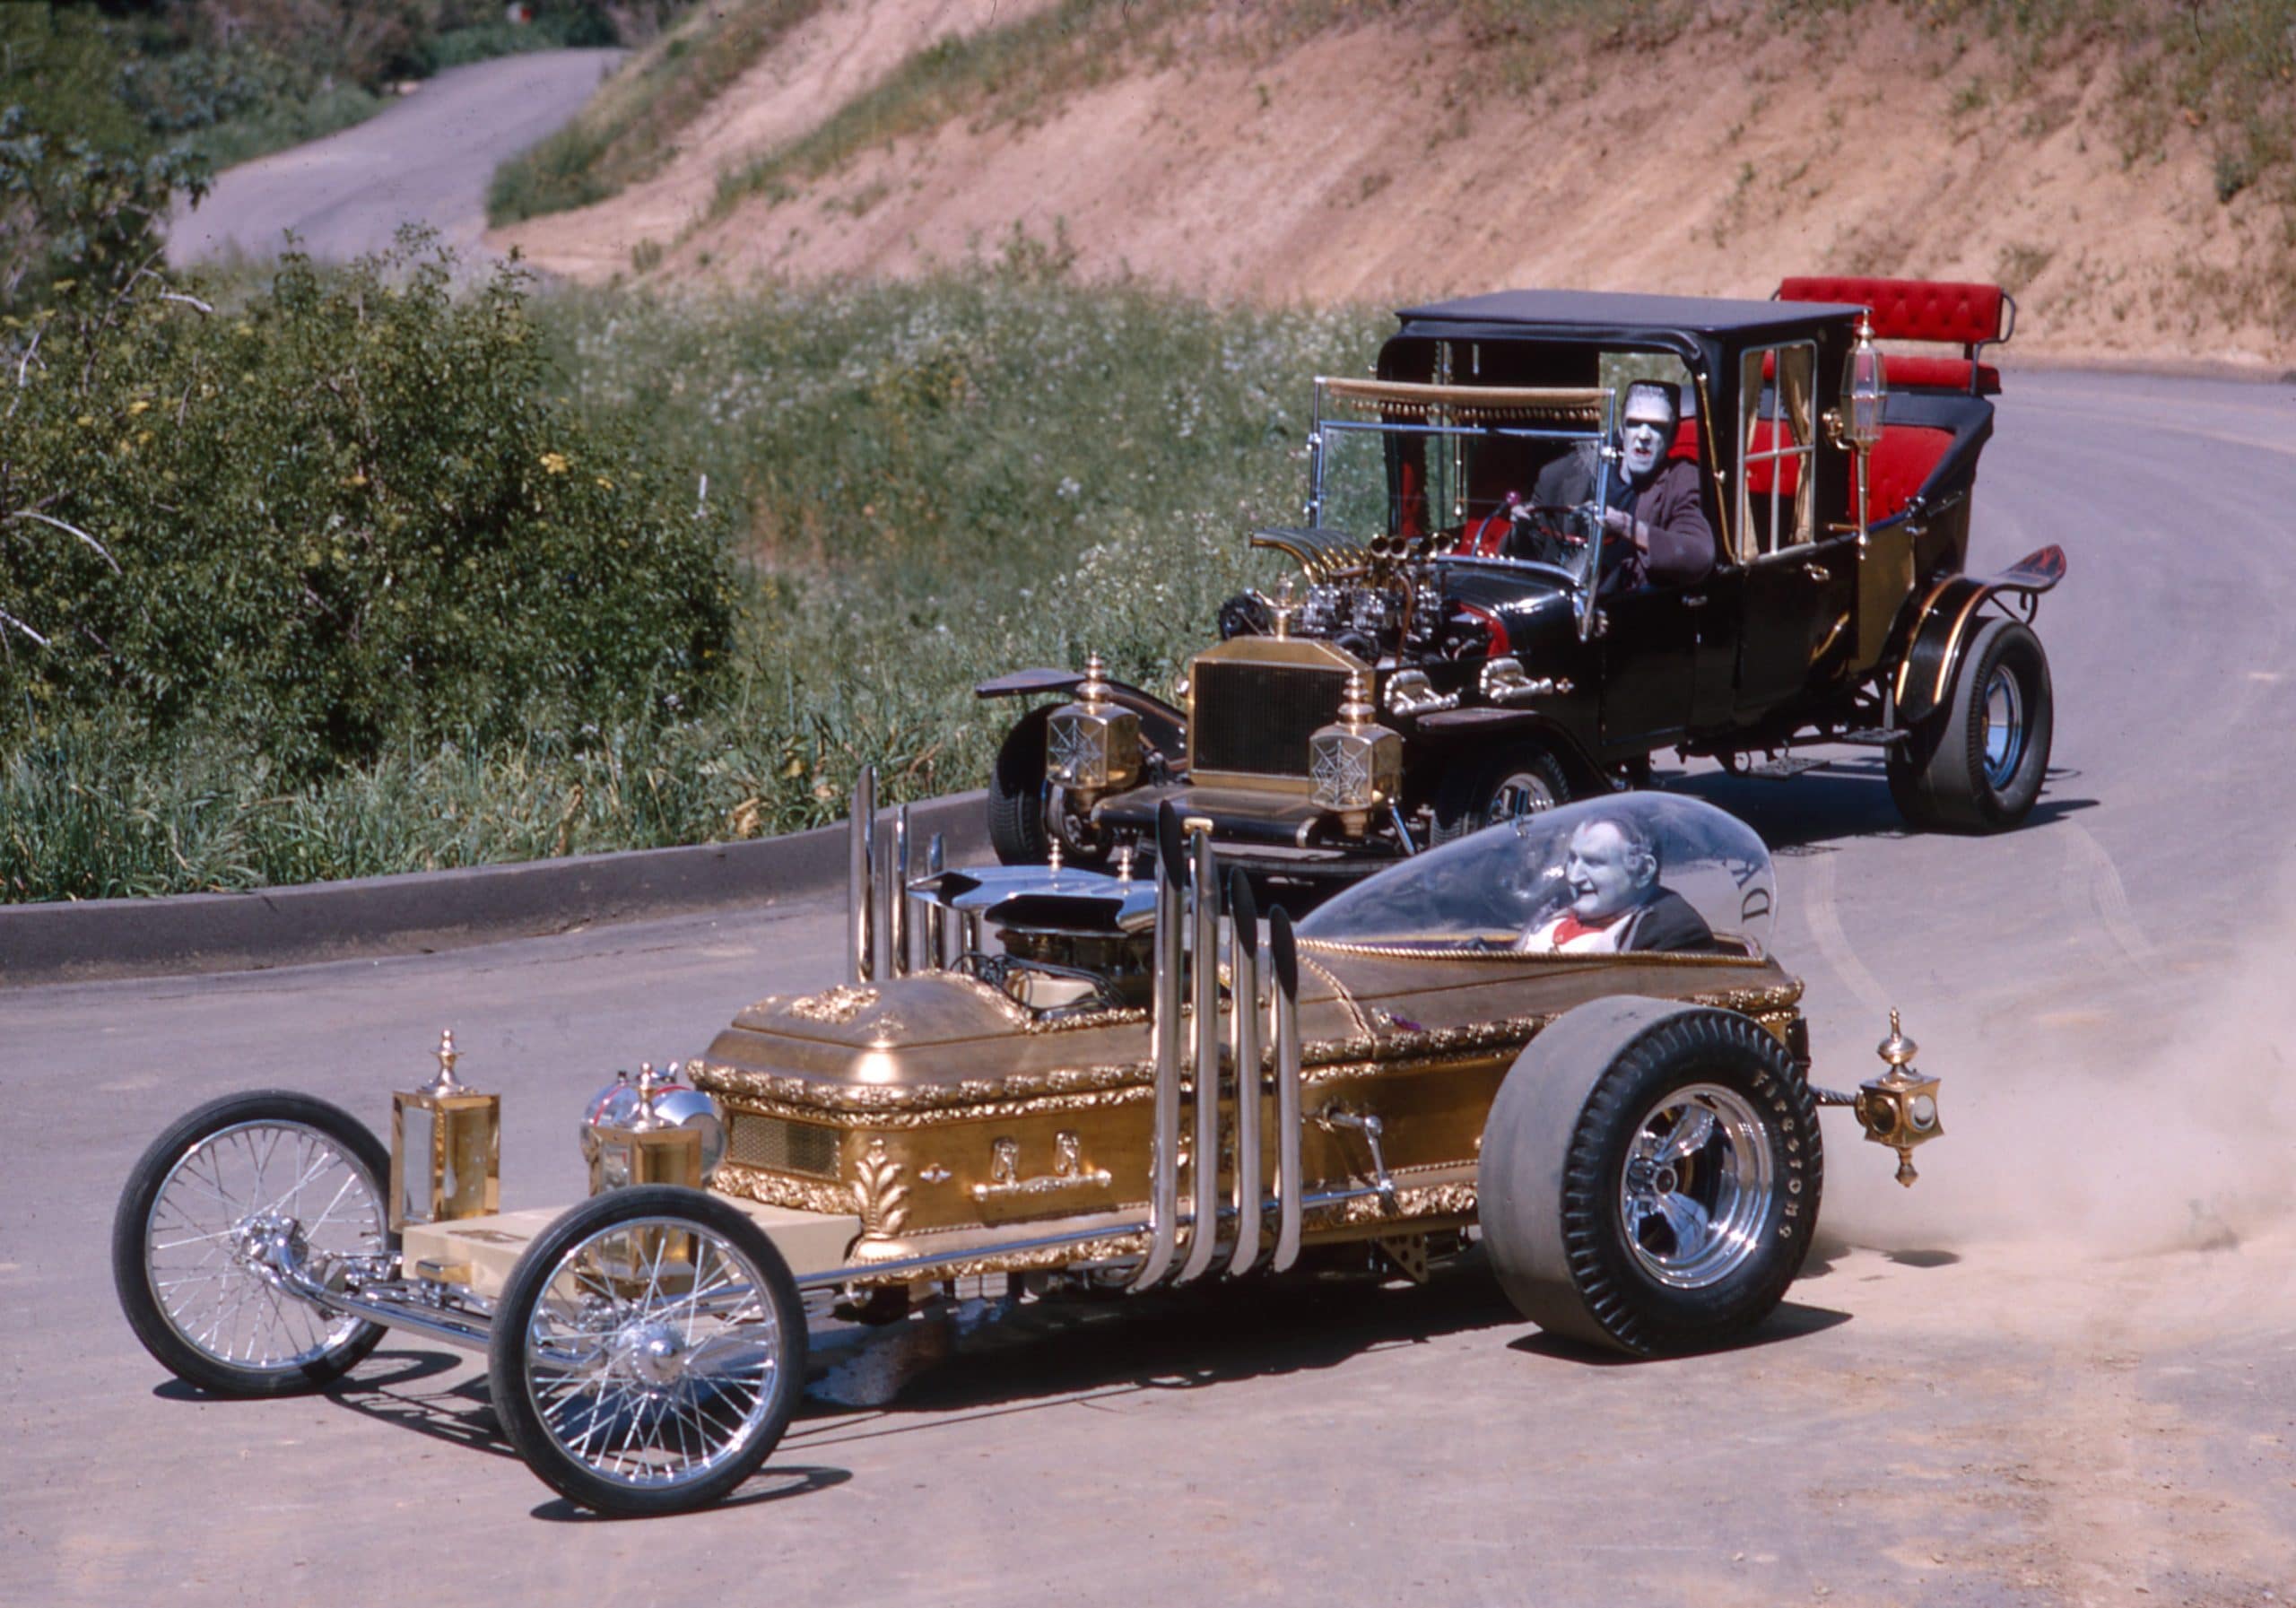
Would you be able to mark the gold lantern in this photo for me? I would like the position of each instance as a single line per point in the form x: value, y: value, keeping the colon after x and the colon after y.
x: 642, y: 1146
x: 1864, y: 394
x: 1093, y: 745
x: 446, y: 1148
x: 1898, y: 1108
x: 1356, y: 763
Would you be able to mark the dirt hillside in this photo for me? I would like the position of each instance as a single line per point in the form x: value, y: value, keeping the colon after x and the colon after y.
x: 1390, y: 160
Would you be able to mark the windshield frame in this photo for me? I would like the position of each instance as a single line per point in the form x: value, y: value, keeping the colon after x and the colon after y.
x: 1328, y: 424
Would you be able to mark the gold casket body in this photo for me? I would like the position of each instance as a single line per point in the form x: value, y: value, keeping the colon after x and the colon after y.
x: 953, y: 1119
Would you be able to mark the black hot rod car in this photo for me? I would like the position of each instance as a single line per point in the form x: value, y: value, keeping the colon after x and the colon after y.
x: 1455, y: 650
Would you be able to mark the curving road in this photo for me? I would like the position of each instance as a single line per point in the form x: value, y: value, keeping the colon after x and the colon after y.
x: 2061, y: 1369
x: 427, y: 159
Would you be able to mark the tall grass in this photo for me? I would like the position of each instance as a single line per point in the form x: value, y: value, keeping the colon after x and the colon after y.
x: 936, y: 482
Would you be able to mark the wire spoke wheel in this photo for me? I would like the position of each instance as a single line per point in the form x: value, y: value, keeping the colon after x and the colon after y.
x: 649, y: 1350
x: 216, y: 1208
x: 1697, y: 1186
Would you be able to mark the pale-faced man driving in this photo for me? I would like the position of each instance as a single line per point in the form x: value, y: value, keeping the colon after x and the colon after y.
x: 1654, y: 511
x: 1617, y: 902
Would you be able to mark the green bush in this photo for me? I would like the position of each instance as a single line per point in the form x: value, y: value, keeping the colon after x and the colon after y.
x: 346, y: 516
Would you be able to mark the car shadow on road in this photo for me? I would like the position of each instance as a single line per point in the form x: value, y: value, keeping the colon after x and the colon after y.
x: 774, y: 1482
x: 1848, y: 799
x: 1793, y: 1320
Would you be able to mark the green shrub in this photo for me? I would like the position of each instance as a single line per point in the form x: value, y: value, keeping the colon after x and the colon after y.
x: 346, y: 516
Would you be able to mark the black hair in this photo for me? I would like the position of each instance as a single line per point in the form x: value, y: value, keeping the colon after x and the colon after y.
x: 1664, y: 390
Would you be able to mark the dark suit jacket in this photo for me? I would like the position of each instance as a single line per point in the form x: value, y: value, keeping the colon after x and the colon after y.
x: 1667, y: 923
x: 1680, y: 540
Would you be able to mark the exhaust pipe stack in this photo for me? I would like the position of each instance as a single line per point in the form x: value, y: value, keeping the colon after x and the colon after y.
x: 885, y: 939
x: 1243, y: 954
x: 1290, y: 1188
x: 861, y: 881
x: 1204, y: 897
x: 1163, y: 1158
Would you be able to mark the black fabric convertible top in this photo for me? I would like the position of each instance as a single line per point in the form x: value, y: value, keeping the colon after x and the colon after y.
x: 1606, y: 314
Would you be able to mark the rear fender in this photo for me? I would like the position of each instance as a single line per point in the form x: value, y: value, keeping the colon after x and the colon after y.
x: 1941, y: 624
x: 1164, y: 726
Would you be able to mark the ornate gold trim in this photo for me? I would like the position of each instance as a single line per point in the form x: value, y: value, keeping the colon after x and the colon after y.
x: 1347, y: 1001
x: 779, y: 1189
x: 838, y: 1004
x: 1399, y: 400
x: 882, y: 1200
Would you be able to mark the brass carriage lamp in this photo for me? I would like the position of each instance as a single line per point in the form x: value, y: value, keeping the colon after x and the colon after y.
x: 630, y: 1142
x: 1865, y: 393
x: 1093, y: 745
x: 446, y: 1148
x: 1355, y: 762
x: 1898, y: 1108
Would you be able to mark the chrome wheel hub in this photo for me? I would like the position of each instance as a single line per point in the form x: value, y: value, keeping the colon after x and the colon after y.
x: 656, y: 1356
x: 651, y: 1357
x: 1518, y: 796
x: 1697, y: 1186
x: 2004, y: 727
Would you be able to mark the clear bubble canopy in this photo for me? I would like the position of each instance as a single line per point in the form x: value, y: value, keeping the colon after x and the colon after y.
x: 1633, y: 873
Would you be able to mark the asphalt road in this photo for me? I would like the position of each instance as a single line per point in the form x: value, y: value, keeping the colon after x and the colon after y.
x: 426, y: 159
x: 2061, y: 1369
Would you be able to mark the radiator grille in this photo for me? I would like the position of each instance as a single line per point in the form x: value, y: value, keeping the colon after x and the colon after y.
x: 779, y: 1146
x: 1257, y: 718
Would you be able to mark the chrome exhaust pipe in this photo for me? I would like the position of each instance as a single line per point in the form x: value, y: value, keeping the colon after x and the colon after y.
x: 1163, y: 1156
x: 937, y: 923
x: 1204, y: 963
x: 1290, y: 1188
x: 896, y: 900
x: 1243, y: 956
x: 860, y: 880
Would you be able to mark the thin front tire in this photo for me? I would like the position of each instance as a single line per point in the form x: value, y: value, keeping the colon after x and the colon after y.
x: 216, y: 1206
x: 648, y: 1351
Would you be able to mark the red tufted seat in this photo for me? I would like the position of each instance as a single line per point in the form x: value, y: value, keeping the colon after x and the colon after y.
x: 1967, y: 315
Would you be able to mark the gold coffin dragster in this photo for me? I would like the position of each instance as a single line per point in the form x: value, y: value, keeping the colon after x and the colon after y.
x: 1562, y: 1038
x: 1019, y: 1048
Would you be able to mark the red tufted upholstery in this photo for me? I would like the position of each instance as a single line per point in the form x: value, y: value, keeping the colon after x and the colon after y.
x: 1900, y: 464
x: 1966, y: 315
x: 1943, y: 374
x: 1912, y: 310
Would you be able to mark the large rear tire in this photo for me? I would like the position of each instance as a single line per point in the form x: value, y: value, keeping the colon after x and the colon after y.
x: 1977, y: 764
x: 1651, y: 1175
x: 209, y: 1210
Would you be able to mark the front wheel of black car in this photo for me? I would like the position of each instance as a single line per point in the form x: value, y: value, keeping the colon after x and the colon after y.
x: 1649, y: 1176
x: 1025, y: 810
x: 1977, y: 764
x: 1481, y: 790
